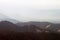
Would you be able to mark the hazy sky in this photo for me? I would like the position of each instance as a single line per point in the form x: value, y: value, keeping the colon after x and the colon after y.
x: 31, y: 10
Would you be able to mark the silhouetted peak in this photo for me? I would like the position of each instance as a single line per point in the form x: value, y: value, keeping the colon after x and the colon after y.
x: 5, y: 22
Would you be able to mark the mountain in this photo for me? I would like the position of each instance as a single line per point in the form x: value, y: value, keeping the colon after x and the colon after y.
x: 29, y: 27
x: 38, y: 24
x: 34, y: 26
x: 53, y: 27
x: 8, y: 26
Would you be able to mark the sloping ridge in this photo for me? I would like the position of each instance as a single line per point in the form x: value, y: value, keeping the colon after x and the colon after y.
x: 5, y: 25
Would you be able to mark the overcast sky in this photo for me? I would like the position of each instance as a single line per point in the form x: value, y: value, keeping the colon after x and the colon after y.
x: 31, y: 10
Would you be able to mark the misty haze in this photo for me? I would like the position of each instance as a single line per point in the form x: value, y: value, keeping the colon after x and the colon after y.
x: 29, y: 19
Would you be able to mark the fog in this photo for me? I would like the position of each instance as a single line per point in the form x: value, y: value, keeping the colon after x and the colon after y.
x: 31, y: 10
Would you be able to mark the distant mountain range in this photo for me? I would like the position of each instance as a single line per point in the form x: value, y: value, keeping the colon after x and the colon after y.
x: 29, y: 26
x: 7, y: 23
x: 8, y: 26
x: 42, y: 25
